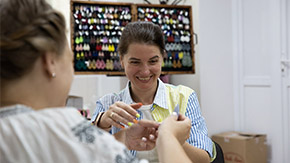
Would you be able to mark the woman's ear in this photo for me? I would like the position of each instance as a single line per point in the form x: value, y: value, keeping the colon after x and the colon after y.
x: 49, y: 64
x: 164, y: 54
x: 122, y: 61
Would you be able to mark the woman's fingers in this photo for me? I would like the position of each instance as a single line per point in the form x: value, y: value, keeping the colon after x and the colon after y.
x: 136, y: 105
x: 146, y: 144
x: 131, y: 109
x: 128, y: 111
x: 120, y: 117
x: 149, y: 123
x: 152, y: 137
x: 115, y: 123
x: 181, y: 117
x: 150, y: 145
x: 122, y: 113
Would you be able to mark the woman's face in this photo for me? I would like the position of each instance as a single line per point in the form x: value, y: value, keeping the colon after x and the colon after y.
x: 64, y: 75
x: 142, y: 65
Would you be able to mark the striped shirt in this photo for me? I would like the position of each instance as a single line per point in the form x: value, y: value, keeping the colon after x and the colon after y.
x: 163, y: 105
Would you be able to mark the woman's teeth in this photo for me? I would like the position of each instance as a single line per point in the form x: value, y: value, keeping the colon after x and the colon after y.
x: 144, y: 78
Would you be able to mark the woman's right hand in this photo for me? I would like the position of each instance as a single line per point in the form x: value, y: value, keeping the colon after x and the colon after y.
x: 119, y: 113
x: 176, y: 125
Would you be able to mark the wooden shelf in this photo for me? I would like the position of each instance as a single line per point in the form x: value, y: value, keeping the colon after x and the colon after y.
x: 96, y: 30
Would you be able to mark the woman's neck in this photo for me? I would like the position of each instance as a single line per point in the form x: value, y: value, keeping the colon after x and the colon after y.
x: 18, y: 93
x: 145, y: 97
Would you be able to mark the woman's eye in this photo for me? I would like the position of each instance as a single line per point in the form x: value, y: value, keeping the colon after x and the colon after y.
x: 134, y: 62
x: 153, y: 61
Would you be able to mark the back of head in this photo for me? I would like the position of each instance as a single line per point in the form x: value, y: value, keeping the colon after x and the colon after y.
x: 28, y: 29
x: 141, y: 32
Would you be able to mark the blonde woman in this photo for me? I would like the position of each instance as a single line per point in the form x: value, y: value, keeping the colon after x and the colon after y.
x: 36, y: 75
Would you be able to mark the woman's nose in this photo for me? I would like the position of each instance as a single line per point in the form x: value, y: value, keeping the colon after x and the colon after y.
x: 145, y: 70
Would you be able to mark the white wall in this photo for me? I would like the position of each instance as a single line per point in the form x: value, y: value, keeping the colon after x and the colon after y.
x: 216, y: 65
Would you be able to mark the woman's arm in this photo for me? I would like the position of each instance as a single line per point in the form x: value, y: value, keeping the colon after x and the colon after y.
x: 198, y: 135
x: 195, y: 154
x: 171, y: 136
x: 170, y: 150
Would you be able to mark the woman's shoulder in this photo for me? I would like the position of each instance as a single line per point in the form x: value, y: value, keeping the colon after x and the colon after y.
x: 26, y: 115
x: 113, y: 97
x: 180, y: 89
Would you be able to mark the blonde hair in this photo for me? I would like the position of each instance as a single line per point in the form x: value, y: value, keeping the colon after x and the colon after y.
x: 28, y: 28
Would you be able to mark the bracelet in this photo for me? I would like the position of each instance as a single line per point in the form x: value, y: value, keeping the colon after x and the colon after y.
x: 98, y: 119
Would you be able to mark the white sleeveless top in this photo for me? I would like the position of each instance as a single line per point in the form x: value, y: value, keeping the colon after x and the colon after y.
x: 152, y: 155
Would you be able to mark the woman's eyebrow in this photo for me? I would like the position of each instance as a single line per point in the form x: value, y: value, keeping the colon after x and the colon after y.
x: 155, y: 57
x: 134, y: 58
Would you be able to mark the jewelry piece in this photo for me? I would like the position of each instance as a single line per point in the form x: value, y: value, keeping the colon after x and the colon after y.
x: 179, y: 65
x: 180, y: 55
x: 98, y: 64
x: 170, y: 62
x: 82, y: 55
x: 86, y: 55
x: 79, y: 65
x: 115, y: 64
x: 78, y: 56
x: 107, y: 64
x: 111, y: 115
x: 77, y: 48
x: 185, y: 21
x: 81, y: 39
x: 77, y: 41
x: 80, y: 47
x: 53, y: 75
x: 111, y: 64
x: 174, y: 64
x: 94, y: 65
x: 90, y: 65
x: 166, y: 63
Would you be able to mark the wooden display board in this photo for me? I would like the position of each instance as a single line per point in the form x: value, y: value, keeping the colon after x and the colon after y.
x: 96, y: 28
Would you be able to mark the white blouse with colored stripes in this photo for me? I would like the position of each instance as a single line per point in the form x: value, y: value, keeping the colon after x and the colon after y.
x: 166, y: 98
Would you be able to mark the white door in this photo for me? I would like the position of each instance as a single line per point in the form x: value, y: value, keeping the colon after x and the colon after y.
x: 262, y: 90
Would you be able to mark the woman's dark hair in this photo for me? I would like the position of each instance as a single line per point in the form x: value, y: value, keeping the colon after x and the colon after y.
x: 28, y: 29
x: 141, y: 32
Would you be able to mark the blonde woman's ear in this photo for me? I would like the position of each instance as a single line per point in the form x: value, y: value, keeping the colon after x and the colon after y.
x: 49, y: 64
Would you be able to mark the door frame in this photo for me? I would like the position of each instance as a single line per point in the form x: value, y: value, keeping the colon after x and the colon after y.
x: 285, y: 76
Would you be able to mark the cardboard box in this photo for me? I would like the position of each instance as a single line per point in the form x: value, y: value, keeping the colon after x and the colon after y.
x: 242, y: 147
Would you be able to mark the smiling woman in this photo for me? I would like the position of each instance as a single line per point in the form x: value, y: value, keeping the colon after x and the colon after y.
x: 141, y: 51
x: 143, y: 67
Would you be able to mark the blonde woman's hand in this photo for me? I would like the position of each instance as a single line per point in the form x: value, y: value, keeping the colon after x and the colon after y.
x: 177, y: 126
x: 119, y: 113
x: 141, y: 136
